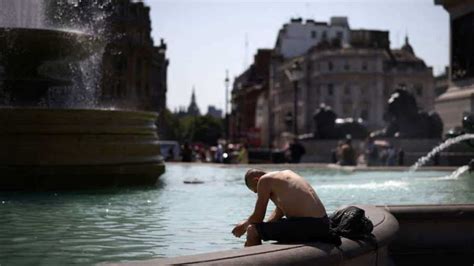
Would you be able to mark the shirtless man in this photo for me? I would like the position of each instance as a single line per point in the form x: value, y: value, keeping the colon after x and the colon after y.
x: 306, y: 218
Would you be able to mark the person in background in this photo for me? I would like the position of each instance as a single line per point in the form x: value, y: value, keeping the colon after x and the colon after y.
x: 243, y: 157
x: 187, y: 153
x: 401, y: 157
x: 170, y: 155
x: 336, y: 152
x: 391, y: 156
x: 371, y: 152
x: 296, y: 151
x: 219, y: 153
x: 348, y: 154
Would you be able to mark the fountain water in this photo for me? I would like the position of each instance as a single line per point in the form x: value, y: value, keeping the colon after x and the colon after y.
x: 458, y: 172
x: 64, y: 147
x: 423, y: 160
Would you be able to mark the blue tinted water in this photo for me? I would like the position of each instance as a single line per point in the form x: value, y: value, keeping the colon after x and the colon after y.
x: 174, y: 218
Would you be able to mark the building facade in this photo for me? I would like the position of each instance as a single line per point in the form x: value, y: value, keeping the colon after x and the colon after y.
x: 134, y: 70
x: 298, y: 36
x: 354, y: 72
x: 214, y: 112
x: 248, y: 89
x: 356, y: 81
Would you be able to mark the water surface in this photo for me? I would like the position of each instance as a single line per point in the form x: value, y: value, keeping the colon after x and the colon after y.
x: 173, y: 218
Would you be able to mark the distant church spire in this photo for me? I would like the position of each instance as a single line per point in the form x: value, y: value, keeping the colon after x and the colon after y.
x: 193, y: 96
x: 407, y: 47
x: 193, y: 108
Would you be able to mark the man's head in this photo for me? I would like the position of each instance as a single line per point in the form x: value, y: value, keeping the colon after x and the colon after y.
x: 251, y: 178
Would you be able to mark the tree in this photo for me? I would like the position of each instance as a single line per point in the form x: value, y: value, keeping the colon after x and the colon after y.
x: 208, y: 130
x: 204, y: 129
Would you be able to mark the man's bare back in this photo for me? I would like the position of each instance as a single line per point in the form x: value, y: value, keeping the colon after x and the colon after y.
x: 293, y: 195
x: 294, y: 198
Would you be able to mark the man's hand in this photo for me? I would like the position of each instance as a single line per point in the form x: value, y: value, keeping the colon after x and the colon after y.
x: 240, y: 229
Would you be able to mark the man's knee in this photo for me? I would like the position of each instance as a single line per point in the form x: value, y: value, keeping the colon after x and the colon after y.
x: 252, y: 231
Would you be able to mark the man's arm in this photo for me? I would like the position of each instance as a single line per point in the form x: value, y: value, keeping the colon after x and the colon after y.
x: 276, y: 215
x: 263, y: 196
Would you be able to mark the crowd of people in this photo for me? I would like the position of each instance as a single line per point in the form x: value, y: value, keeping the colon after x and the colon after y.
x: 231, y: 153
x: 370, y: 153
x: 221, y: 153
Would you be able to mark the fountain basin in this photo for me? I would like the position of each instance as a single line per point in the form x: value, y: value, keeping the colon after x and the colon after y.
x: 22, y: 47
x: 32, y: 61
x: 351, y: 252
x: 71, y: 148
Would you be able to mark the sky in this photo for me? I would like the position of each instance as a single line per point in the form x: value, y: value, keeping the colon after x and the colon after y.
x: 206, y: 38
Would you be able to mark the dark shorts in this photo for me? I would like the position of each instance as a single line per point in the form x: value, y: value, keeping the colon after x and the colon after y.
x: 295, y: 229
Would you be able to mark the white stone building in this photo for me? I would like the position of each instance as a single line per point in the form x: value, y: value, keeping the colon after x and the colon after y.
x: 355, y: 81
x: 297, y: 37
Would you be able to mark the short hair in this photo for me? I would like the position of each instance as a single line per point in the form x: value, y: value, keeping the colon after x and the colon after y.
x: 251, y: 173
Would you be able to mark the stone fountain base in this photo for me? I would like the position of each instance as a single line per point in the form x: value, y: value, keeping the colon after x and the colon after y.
x: 69, y: 149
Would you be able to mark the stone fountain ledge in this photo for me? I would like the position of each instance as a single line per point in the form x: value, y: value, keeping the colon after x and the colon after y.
x: 433, y: 234
x: 317, y: 253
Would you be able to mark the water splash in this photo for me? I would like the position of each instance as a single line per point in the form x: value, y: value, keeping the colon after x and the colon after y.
x: 387, y: 185
x: 423, y: 160
x: 91, y: 17
x: 454, y: 175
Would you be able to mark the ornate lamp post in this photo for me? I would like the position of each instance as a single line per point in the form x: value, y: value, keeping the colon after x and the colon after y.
x: 294, y: 75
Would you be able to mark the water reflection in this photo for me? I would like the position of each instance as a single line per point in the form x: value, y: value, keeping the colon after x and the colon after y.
x: 78, y: 227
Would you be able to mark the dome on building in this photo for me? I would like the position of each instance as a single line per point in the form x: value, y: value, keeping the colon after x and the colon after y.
x: 407, y: 47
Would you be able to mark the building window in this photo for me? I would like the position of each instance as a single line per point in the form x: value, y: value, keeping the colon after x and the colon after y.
x: 139, y: 88
x: 325, y: 36
x: 313, y: 34
x: 330, y: 89
x: 347, y: 109
x: 364, y: 114
x: 339, y: 35
x: 386, y: 92
x: 138, y: 68
x: 419, y: 90
x: 364, y: 66
x: 330, y: 66
x: 123, y: 90
x: 347, y: 66
x: 347, y: 90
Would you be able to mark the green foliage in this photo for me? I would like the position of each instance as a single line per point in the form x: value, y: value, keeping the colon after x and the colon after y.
x: 170, y: 127
x: 204, y: 129
x: 207, y: 129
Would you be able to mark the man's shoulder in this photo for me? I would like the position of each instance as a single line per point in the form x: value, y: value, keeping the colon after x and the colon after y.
x: 270, y: 177
x: 270, y: 174
x: 283, y: 174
